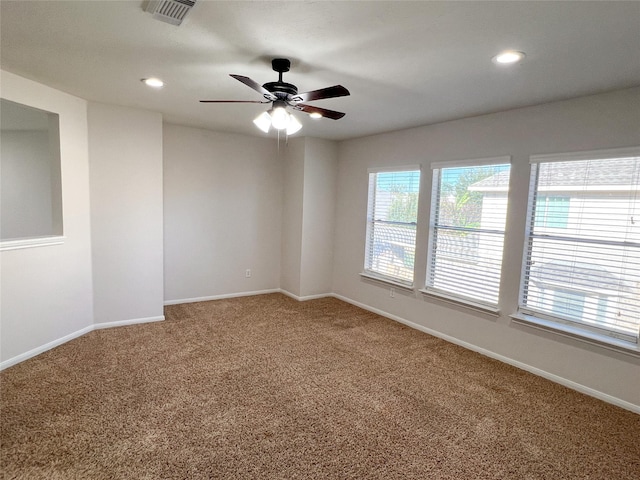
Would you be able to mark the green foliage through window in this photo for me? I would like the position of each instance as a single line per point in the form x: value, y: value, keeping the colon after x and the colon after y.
x: 404, y: 206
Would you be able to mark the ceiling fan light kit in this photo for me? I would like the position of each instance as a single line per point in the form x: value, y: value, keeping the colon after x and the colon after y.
x: 283, y: 95
x: 263, y: 122
x: 279, y: 116
x: 279, y: 119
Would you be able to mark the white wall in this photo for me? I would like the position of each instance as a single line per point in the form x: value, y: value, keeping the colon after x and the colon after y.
x: 590, y: 123
x: 26, y: 184
x: 222, y: 213
x: 125, y: 153
x: 46, y: 292
x: 308, y: 216
x: 319, y: 203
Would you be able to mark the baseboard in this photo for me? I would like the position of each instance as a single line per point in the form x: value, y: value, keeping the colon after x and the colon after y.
x: 221, y: 297
x: 510, y: 361
x: 55, y: 343
x: 43, y: 348
x: 248, y: 294
x: 305, y: 297
x: 122, y: 323
x: 523, y: 366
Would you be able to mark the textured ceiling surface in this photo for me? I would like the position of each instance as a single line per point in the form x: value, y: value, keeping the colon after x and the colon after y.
x: 405, y: 63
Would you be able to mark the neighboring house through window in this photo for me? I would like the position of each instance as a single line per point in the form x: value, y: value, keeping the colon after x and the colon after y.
x: 466, y: 234
x: 581, y: 269
x: 552, y: 211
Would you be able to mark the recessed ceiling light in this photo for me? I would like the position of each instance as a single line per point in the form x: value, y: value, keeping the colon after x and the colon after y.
x: 315, y: 115
x: 508, y: 57
x: 153, y: 82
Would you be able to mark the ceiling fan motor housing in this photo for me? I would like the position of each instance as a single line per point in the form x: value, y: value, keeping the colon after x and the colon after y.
x: 281, y: 89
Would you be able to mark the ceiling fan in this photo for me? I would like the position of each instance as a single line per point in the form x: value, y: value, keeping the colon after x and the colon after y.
x: 283, y: 95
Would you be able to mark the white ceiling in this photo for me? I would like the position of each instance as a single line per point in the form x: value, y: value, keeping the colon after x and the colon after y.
x: 405, y: 63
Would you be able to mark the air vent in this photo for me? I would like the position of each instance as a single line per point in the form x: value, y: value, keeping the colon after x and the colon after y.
x: 170, y: 11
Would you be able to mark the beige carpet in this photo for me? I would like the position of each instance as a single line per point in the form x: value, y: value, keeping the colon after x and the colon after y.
x: 269, y: 388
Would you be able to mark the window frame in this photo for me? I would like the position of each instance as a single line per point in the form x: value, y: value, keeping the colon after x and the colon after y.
x: 529, y: 316
x: 470, y: 302
x: 370, y: 273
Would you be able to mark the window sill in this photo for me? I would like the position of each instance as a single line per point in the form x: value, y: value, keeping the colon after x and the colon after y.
x: 387, y: 281
x: 577, y: 334
x: 462, y: 302
x: 31, y: 242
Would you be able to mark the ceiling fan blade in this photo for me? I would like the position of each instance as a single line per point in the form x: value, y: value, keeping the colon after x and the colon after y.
x: 234, y: 101
x: 256, y: 86
x: 332, y: 114
x: 329, y: 92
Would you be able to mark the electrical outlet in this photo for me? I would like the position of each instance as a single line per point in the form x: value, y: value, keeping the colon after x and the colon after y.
x: 392, y: 292
x: 247, y: 273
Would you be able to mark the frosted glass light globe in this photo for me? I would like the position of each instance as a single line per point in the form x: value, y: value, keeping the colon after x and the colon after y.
x: 279, y: 118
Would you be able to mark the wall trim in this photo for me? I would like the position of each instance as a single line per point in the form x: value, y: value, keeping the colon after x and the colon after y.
x: 32, y: 242
x: 43, y: 348
x: 469, y: 346
x: 304, y: 298
x: 67, y: 338
x: 221, y: 297
x: 122, y: 323
x: 605, y: 397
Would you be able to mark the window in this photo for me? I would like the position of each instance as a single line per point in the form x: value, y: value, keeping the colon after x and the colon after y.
x: 552, y: 211
x: 468, y: 215
x: 582, y: 252
x: 392, y: 215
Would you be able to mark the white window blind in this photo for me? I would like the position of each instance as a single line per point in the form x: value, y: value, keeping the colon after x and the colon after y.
x: 582, y: 250
x: 392, y: 215
x: 468, y: 215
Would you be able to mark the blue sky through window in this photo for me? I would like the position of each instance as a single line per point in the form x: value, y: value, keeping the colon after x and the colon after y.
x: 407, y: 181
x: 450, y: 176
